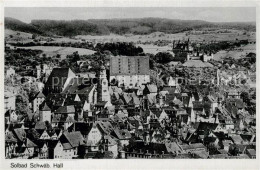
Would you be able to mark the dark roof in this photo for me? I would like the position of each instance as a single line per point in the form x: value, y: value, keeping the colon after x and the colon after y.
x: 19, y: 133
x: 40, y: 95
x: 58, y: 77
x: 9, y: 137
x: 45, y: 107
x: 65, y: 109
x: 79, y: 85
x: 52, y: 143
x: 152, y: 148
x: 202, y: 126
x: 8, y: 112
x: 40, y: 125
x: 122, y: 133
x: 84, y: 128
x: 74, y: 138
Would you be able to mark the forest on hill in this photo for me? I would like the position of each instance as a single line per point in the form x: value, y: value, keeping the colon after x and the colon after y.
x: 118, y: 26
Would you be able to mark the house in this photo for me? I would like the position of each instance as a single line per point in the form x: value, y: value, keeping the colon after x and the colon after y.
x: 11, y: 116
x: 10, y: 145
x: 37, y: 101
x: 43, y: 150
x: 93, y: 137
x: 44, y: 135
x: 56, y: 150
x: 150, y: 89
x: 67, y: 111
x: 70, y: 142
x: 108, y: 143
x: 122, y: 135
x: 26, y: 150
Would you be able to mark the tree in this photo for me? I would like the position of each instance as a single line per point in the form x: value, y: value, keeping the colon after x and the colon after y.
x: 163, y: 57
x: 22, y: 104
x: 75, y: 57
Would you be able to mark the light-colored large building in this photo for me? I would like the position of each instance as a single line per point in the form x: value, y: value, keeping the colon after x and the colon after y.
x: 130, y: 71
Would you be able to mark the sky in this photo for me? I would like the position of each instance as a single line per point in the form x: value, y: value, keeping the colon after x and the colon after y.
x: 212, y: 14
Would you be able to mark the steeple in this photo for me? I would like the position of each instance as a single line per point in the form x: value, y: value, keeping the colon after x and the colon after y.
x: 45, y: 107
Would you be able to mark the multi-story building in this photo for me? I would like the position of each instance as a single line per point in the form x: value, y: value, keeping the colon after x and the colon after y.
x: 129, y: 71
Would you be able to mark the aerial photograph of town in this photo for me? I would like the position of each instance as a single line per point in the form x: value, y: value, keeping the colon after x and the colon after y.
x: 130, y: 83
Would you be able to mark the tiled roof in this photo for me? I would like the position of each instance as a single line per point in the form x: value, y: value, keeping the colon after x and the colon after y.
x: 122, y: 134
x: 75, y: 138
x: 65, y: 109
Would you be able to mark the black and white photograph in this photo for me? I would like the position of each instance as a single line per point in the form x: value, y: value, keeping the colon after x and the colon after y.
x: 129, y: 83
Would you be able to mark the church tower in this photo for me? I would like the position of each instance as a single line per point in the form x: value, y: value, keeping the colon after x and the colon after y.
x: 103, y: 85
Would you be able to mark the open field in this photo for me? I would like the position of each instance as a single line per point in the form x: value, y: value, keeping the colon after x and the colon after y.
x: 145, y: 41
x: 63, y: 51
x: 236, y: 53
x: 217, y: 35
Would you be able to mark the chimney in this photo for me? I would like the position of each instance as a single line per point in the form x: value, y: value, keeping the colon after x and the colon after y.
x: 147, y: 151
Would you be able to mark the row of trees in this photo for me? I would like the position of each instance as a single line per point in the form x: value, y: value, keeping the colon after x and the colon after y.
x: 85, y: 45
x: 120, y: 48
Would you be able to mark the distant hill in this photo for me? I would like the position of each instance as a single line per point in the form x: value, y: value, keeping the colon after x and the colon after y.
x: 116, y: 26
x: 17, y: 25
